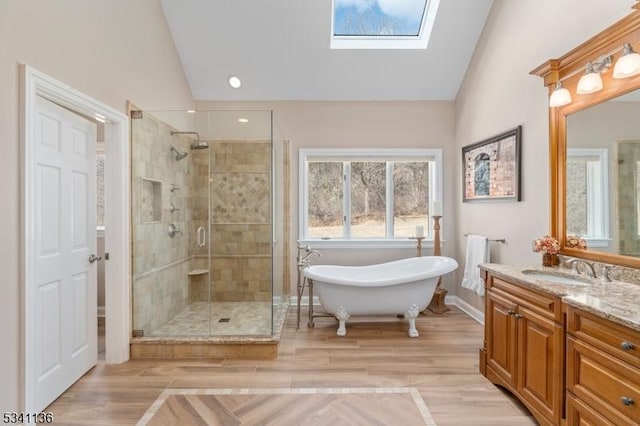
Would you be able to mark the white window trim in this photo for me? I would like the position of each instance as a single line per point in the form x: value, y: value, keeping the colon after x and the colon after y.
x: 421, y: 41
x: 435, y: 194
x: 597, y: 194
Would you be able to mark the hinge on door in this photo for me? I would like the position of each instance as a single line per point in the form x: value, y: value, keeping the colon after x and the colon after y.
x: 136, y: 114
x: 106, y: 256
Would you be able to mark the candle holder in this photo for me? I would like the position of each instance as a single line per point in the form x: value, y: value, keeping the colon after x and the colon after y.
x: 418, y: 245
x: 437, y: 305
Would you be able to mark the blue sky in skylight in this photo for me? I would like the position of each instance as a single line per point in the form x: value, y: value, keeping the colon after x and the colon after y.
x: 378, y: 17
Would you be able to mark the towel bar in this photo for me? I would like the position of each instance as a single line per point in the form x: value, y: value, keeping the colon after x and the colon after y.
x: 498, y: 240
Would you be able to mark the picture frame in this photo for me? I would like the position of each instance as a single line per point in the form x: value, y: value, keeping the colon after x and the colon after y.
x: 491, y: 168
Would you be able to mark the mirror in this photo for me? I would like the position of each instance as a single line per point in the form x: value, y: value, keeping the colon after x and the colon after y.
x: 595, y: 151
x: 602, y: 202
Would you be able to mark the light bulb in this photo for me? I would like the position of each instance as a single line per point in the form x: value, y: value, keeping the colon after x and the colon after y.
x: 235, y: 82
x: 590, y: 82
x: 560, y: 96
x: 628, y: 64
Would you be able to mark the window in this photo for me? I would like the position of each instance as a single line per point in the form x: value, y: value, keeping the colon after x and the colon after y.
x: 372, y: 197
x: 588, y: 195
x: 382, y: 24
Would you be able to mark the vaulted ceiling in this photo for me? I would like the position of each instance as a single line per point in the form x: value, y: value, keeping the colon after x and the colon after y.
x: 280, y: 50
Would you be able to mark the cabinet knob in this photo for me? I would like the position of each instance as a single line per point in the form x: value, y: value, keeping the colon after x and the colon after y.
x: 511, y: 312
x: 518, y: 316
x: 626, y: 400
x: 627, y: 346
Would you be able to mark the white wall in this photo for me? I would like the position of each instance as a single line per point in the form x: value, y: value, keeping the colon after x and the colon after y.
x: 110, y: 50
x: 363, y: 125
x: 499, y: 94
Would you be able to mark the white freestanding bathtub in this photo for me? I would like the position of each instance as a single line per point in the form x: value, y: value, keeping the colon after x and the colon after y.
x: 403, y: 286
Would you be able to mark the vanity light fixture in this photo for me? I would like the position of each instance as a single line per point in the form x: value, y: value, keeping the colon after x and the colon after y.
x: 560, y: 96
x: 591, y: 81
x: 628, y: 64
x: 235, y: 82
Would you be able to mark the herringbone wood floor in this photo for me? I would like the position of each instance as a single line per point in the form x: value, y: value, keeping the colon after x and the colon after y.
x: 304, y: 408
x: 442, y: 364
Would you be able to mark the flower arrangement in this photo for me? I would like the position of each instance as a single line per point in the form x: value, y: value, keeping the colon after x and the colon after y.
x: 573, y: 241
x: 546, y: 245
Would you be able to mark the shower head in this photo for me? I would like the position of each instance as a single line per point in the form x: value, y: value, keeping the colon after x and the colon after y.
x: 179, y: 155
x: 198, y: 144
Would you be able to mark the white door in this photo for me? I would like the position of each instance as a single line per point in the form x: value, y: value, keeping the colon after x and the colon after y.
x: 65, y: 293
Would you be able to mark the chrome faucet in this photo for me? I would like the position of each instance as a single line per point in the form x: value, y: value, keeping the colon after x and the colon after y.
x: 606, y: 273
x: 589, y: 269
x: 304, y: 260
x: 567, y: 262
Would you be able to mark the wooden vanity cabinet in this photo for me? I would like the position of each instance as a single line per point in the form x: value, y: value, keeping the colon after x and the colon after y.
x: 603, y: 371
x: 524, y: 346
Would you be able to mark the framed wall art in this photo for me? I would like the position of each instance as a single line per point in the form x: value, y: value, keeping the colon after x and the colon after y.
x: 491, y: 168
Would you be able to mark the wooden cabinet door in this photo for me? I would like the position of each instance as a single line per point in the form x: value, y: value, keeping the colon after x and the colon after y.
x: 540, y: 349
x: 501, y: 336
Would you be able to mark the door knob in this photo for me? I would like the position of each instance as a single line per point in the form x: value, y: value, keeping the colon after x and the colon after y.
x: 93, y: 258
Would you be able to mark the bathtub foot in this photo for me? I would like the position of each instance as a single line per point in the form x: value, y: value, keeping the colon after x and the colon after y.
x: 342, y: 315
x: 411, y: 315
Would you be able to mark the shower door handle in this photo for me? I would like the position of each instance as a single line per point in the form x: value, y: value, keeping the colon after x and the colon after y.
x: 202, y: 236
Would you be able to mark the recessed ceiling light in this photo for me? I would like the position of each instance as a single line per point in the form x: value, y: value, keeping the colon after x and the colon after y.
x: 191, y: 111
x: 234, y: 82
x: 243, y: 120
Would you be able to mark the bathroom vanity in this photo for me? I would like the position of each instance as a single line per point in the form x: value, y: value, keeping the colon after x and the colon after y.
x: 569, y: 350
x: 567, y: 347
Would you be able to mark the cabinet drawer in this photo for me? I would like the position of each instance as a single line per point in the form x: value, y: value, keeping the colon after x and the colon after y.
x: 580, y: 414
x: 615, y: 339
x: 543, y: 304
x: 608, y: 385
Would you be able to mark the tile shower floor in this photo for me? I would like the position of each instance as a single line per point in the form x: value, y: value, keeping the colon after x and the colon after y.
x: 238, y: 319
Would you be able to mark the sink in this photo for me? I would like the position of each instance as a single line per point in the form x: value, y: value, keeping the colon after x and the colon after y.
x: 554, y: 278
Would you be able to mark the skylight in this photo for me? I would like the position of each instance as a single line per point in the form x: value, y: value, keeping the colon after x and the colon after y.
x: 382, y: 24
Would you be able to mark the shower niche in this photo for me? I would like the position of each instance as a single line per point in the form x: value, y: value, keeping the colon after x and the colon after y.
x: 151, y: 208
x: 229, y: 205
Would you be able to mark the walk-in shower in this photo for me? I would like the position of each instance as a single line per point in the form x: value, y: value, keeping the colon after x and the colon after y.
x: 221, y: 271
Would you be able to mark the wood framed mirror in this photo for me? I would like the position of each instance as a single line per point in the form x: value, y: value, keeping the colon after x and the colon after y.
x: 594, y: 143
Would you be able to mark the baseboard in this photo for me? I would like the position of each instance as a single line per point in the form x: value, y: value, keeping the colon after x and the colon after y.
x: 474, y: 313
x: 304, y: 301
x: 101, y: 312
x: 449, y: 300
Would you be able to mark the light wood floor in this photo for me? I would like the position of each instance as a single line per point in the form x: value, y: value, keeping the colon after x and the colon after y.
x: 442, y: 364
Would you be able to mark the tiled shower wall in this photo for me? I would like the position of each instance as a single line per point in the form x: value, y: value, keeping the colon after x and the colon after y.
x: 628, y: 183
x: 160, y: 263
x: 241, y: 233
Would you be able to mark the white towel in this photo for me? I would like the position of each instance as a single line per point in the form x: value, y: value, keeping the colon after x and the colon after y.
x: 477, y: 253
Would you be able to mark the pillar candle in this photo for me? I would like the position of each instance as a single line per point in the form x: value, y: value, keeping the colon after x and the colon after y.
x: 437, y: 209
x: 419, y: 231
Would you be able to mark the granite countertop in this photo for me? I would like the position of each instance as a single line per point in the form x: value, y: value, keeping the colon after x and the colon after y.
x: 617, y: 301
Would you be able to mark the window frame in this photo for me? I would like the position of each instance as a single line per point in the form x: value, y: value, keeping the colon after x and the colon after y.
x: 383, y: 155
x: 420, y: 41
x: 597, y: 164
